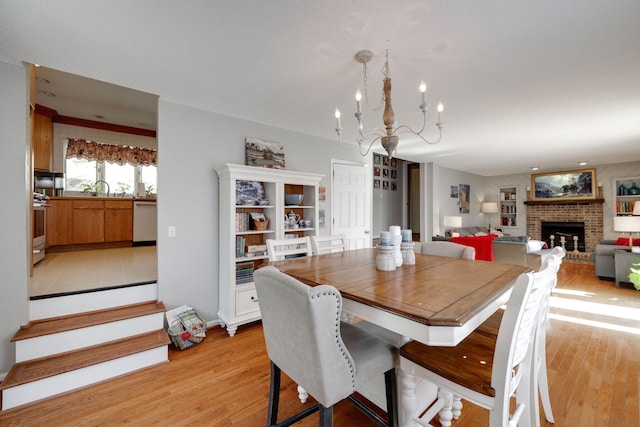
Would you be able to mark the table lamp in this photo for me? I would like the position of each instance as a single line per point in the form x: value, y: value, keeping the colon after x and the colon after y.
x: 453, y: 222
x: 627, y: 224
x: 489, y: 208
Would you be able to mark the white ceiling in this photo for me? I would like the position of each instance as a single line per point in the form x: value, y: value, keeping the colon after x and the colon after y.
x: 524, y: 83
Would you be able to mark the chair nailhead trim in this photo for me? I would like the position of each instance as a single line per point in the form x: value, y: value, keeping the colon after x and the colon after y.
x: 343, y: 350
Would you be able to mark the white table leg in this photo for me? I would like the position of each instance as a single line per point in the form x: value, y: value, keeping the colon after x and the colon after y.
x: 302, y: 394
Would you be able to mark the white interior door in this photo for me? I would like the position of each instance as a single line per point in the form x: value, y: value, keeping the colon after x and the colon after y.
x: 351, y: 204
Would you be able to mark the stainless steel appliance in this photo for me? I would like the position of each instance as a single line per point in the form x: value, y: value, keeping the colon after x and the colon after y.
x: 48, y: 183
x: 145, y: 222
x: 39, y: 231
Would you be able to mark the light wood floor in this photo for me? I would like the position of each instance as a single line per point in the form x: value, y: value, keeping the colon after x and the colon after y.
x: 593, y: 359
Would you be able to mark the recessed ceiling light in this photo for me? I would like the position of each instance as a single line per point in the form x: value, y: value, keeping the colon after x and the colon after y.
x: 582, y: 163
x: 45, y: 93
x: 43, y: 80
x: 534, y: 168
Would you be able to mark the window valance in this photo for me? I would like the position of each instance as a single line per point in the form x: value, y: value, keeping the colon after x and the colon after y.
x: 119, y: 154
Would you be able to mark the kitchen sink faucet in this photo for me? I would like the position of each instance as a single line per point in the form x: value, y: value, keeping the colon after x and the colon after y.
x: 108, y: 187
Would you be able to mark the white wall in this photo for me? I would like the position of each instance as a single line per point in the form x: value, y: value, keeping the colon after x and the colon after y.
x: 449, y: 206
x: 14, y: 215
x: 192, y: 143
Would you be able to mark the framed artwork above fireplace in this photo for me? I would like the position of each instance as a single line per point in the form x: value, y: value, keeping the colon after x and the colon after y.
x: 565, y: 185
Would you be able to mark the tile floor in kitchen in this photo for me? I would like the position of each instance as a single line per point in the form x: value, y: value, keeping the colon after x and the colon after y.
x: 90, y: 269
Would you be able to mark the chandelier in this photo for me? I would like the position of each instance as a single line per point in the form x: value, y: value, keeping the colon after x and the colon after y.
x: 388, y: 136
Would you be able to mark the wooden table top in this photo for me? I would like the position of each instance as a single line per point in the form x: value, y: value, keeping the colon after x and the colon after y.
x: 436, y: 291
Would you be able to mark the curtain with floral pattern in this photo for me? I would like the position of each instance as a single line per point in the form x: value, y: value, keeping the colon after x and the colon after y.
x: 119, y: 154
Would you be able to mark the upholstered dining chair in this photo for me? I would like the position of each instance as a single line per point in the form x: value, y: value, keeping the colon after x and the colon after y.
x: 449, y: 249
x: 306, y: 340
x: 488, y: 370
x: 328, y: 244
x: 279, y: 249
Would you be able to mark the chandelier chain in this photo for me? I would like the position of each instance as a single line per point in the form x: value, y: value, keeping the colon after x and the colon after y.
x: 366, y: 92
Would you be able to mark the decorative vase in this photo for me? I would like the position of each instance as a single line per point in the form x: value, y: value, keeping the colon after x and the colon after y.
x: 633, y: 190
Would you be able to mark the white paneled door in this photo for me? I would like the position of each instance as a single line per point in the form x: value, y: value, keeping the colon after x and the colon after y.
x: 351, y: 204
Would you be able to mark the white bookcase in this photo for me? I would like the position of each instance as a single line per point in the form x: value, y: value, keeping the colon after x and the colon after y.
x: 238, y: 299
x: 624, y: 189
x: 508, y: 207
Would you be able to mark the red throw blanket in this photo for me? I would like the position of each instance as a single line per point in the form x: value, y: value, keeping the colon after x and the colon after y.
x: 482, y: 244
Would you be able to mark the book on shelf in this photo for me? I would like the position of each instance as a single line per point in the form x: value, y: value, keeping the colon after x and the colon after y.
x: 242, y: 221
x: 240, y: 246
x: 244, y: 272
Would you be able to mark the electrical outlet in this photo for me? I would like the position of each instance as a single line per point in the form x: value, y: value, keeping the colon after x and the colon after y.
x: 172, y: 231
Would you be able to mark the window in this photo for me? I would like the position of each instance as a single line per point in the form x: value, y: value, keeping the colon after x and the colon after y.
x: 108, y: 168
x: 121, y: 178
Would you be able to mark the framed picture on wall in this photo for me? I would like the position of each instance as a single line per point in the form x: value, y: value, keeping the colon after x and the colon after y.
x: 385, y: 185
x: 376, y: 183
x: 566, y: 185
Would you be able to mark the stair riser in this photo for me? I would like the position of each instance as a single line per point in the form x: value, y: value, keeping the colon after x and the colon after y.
x: 31, y: 392
x: 47, y: 345
x: 91, y: 301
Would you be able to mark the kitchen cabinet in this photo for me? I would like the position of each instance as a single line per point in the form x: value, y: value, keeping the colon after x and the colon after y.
x: 42, y: 141
x: 237, y: 295
x: 78, y: 221
x: 59, y: 222
x: 118, y: 220
x: 88, y: 221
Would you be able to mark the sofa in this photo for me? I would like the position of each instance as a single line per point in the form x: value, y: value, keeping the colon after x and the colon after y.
x: 519, y: 250
x: 604, y: 260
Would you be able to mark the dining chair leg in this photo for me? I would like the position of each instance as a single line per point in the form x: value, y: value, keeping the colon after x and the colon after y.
x: 274, y: 395
x: 391, y: 391
x: 543, y: 386
x: 445, y: 413
x: 456, y: 407
x: 326, y: 416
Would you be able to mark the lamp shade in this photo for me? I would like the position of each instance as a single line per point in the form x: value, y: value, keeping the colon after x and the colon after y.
x: 452, y: 221
x: 489, y: 207
x: 630, y: 224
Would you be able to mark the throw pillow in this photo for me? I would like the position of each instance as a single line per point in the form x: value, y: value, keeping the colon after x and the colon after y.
x: 482, y: 244
x: 624, y: 241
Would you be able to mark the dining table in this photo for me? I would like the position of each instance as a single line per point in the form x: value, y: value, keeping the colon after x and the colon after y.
x: 437, y: 301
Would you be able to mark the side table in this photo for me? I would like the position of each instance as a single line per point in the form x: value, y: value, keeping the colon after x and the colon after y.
x: 623, y: 262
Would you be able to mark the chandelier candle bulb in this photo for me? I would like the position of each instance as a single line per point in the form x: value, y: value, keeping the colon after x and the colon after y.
x: 338, y: 118
x: 423, y: 92
x: 358, y: 99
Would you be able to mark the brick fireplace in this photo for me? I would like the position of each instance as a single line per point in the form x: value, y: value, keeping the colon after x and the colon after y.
x: 587, y: 211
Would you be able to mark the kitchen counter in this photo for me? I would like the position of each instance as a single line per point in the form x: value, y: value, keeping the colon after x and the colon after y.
x: 102, y: 198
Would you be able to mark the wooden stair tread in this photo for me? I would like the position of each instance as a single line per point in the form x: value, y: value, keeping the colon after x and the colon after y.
x: 36, y: 369
x: 54, y: 325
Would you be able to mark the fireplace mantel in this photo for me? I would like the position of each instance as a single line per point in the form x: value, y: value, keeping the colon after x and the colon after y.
x: 564, y: 202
